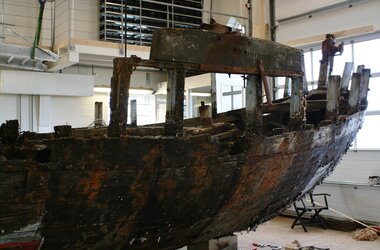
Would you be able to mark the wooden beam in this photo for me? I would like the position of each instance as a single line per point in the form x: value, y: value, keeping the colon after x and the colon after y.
x: 133, y: 113
x: 338, y: 34
x: 297, y: 108
x: 254, y: 104
x: 174, y: 102
x: 119, y: 95
x: 348, y: 67
x: 364, y: 89
x: 259, y: 19
x: 353, y: 99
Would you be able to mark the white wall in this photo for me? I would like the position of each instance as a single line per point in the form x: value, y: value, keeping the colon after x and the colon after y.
x: 356, y: 201
x: 356, y: 166
x: 23, y: 14
x: 102, y: 76
x: 359, y: 15
x: 8, y: 107
x: 77, y: 111
x: 349, y: 189
x: 76, y: 19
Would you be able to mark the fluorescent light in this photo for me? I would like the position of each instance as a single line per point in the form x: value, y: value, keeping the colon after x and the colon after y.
x: 200, y: 94
x: 140, y: 91
x: 131, y: 91
x: 102, y: 89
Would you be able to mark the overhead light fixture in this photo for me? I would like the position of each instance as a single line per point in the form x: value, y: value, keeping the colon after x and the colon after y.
x: 102, y: 89
x: 200, y: 94
x: 141, y: 91
x: 131, y: 91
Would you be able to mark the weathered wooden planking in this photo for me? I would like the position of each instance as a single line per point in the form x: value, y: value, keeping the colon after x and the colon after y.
x: 223, y: 50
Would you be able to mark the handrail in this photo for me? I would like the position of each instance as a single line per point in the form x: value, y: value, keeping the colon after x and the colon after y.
x: 168, y: 22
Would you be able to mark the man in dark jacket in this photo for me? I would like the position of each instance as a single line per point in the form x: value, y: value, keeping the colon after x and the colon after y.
x: 329, y: 50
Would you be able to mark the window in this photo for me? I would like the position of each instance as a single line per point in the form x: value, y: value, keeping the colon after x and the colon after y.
x: 231, y: 91
x: 368, y: 53
x: 98, y: 121
x: 360, y: 53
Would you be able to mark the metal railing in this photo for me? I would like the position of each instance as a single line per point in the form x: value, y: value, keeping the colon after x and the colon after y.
x: 137, y: 20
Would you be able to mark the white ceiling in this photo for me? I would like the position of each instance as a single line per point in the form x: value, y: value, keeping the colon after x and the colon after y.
x: 288, y: 8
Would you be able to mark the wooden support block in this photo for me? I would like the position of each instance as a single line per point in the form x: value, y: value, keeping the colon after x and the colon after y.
x: 297, y: 105
x: 254, y: 104
x: 62, y: 131
x: 9, y: 131
x: 333, y: 95
x: 133, y: 113
x: 225, y: 243
x: 205, y: 115
x: 174, y: 102
x: 353, y: 99
x: 347, y: 72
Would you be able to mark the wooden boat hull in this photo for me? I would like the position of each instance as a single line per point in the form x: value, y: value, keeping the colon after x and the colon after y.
x: 180, y: 183
x: 161, y: 192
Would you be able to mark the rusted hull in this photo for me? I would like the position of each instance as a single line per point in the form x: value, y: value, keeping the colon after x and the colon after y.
x: 169, y: 186
x: 161, y: 192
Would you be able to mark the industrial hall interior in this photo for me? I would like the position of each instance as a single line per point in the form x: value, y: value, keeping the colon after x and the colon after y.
x: 189, y: 124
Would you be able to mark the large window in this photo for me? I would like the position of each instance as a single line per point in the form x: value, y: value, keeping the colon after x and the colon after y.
x: 231, y: 90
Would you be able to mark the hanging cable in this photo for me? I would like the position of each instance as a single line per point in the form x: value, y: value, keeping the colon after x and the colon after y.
x: 39, y: 27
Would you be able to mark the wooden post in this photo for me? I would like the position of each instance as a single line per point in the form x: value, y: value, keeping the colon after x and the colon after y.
x: 363, y: 103
x: 120, y: 83
x: 304, y: 80
x: 254, y: 102
x: 297, y: 105
x: 348, y: 67
x: 333, y: 95
x: 174, y: 102
x: 353, y: 99
x: 287, y: 87
x: 133, y: 113
x: 214, y: 110
x: 323, y: 74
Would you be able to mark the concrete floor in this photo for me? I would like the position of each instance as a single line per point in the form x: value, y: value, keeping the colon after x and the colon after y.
x: 278, y: 232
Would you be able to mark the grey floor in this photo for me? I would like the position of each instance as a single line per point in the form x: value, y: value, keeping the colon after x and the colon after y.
x: 278, y: 232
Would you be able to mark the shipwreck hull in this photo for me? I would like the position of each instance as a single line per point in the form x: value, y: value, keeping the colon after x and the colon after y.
x: 173, y: 184
x: 161, y: 193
